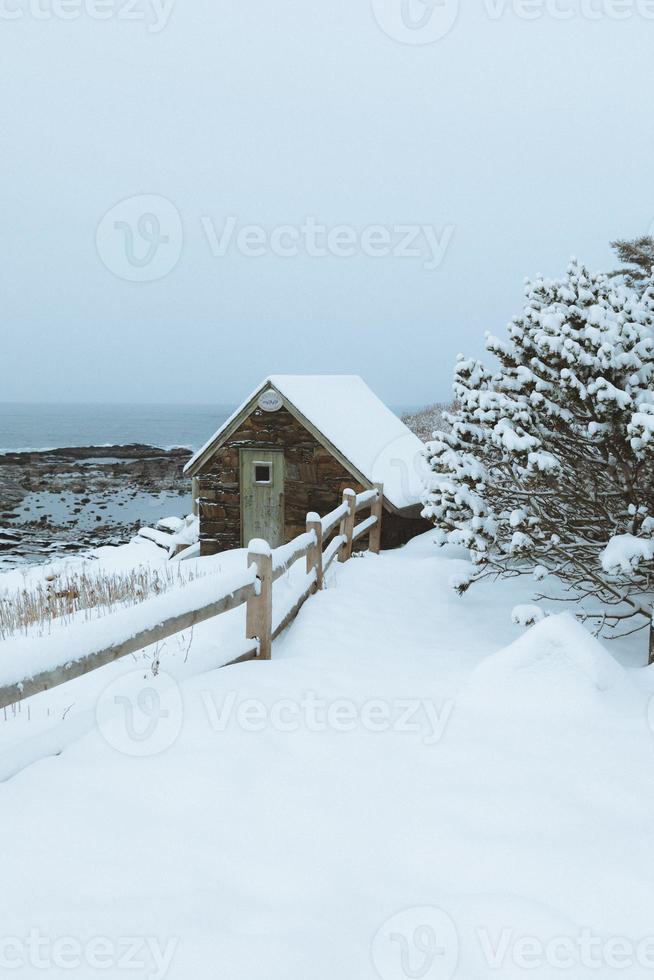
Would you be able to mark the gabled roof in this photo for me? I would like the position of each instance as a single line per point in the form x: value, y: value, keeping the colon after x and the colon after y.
x: 349, y: 420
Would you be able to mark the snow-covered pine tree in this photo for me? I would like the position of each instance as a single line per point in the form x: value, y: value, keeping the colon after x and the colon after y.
x: 549, y: 464
x: 637, y: 256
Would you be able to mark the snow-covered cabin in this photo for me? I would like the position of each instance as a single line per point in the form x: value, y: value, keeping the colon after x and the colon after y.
x: 293, y: 446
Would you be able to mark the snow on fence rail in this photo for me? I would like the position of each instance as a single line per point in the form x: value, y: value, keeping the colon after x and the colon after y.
x: 83, y: 647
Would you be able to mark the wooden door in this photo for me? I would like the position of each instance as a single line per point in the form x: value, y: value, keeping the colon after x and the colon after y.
x: 262, y: 496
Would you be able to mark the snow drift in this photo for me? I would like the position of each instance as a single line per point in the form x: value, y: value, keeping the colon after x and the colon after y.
x: 556, y: 664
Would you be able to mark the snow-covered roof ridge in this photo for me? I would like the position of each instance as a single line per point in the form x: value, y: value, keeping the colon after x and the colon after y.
x: 349, y: 416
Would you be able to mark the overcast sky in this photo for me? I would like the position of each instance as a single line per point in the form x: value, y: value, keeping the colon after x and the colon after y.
x: 487, y: 145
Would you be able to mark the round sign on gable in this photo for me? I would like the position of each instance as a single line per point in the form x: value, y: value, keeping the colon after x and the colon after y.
x: 270, y: 401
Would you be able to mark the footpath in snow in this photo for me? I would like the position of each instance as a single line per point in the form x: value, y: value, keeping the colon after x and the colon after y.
x: 412, y: 787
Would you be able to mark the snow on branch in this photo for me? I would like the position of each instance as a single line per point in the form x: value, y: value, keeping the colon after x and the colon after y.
x: 548, y: 462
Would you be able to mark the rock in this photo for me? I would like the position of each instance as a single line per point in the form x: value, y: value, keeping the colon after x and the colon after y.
x: 95, y: 475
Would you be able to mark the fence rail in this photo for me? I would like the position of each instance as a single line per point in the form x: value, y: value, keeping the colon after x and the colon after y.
x: 254, y: 588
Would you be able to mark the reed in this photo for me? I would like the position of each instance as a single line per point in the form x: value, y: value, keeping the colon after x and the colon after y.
x: 85, y: 595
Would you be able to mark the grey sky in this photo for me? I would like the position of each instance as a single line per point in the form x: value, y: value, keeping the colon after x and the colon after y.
x: 531, y: 140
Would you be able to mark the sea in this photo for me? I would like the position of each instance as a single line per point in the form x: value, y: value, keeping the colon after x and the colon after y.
x: 32, y: 426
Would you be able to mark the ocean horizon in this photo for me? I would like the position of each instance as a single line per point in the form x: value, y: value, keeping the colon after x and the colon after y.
x: 38, y: 426
x: 35, y: 426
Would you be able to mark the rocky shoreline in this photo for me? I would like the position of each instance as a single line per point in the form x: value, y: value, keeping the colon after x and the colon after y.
x: 58, y: 501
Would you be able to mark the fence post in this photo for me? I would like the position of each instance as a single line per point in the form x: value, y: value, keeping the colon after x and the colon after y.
x: 314, y: 554
x: 377, y: 510
x: 258, y: 617
x: 347, y: 524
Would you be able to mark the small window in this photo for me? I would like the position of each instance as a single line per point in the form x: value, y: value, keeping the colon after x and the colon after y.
x: 263, y: 473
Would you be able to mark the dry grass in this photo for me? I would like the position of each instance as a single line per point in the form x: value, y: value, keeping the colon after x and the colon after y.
x: 427, y: 420
x: 65, y: 596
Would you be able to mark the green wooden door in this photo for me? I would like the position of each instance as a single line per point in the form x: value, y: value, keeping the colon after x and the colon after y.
x: 262, y: 496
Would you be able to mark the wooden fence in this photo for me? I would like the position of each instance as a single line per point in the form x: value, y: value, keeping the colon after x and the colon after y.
x: 318, y: 545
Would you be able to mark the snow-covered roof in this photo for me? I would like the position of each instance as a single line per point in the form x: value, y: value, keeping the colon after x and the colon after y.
x: 348, y: 415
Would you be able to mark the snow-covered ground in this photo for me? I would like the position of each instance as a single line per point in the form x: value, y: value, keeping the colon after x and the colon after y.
x: 394, y: 795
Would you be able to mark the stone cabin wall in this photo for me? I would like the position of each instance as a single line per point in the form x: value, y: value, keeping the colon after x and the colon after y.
x: 314, y: 480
